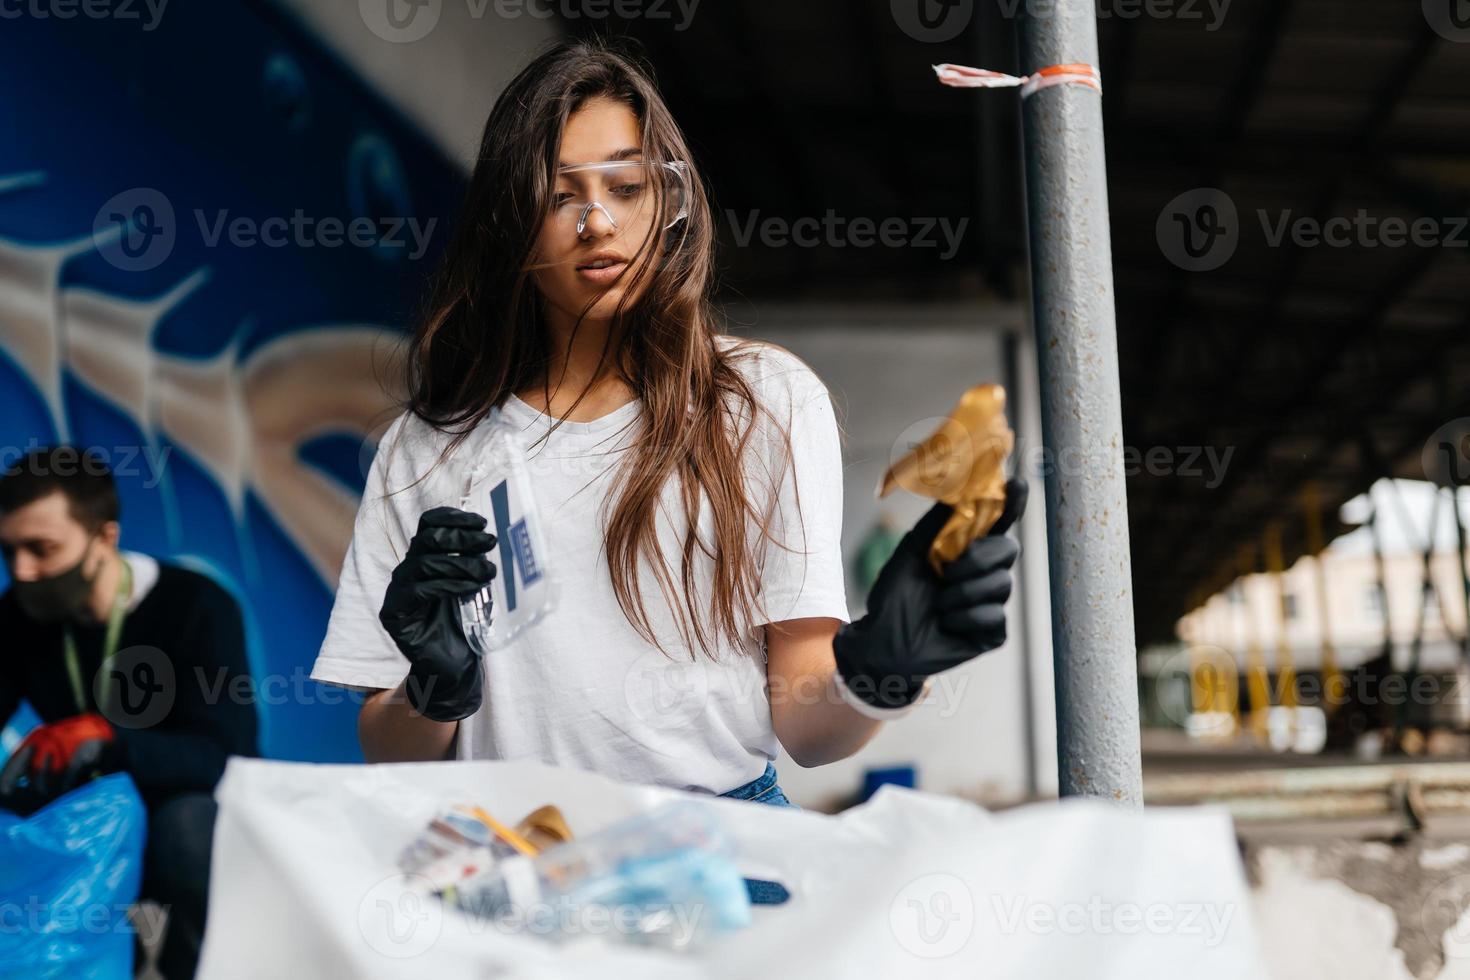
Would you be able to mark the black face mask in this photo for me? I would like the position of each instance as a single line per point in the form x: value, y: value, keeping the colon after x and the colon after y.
x: 61, y: 596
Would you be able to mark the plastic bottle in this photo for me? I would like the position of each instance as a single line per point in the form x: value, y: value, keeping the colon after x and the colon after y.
x: 498, y: 486
x: 665, y: 878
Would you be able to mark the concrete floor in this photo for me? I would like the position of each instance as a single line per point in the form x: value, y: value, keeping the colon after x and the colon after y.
x: 1344, y: 899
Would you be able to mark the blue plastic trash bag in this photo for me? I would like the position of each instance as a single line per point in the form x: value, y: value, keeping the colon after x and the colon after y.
x: 68, y: 875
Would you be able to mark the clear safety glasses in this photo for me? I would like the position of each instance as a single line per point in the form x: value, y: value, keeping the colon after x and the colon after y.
x: 630, y: 194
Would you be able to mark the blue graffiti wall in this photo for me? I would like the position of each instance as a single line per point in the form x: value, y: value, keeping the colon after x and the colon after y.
x: 210, y: 235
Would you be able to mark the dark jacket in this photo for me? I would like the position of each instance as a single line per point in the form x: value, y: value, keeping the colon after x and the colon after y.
x: 181, y: 698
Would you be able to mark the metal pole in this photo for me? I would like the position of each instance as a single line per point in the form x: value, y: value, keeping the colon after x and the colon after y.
x: 1077, y: 344
x: 1462, y: 669
x: 1028, y: 684
x: 1461, y: 568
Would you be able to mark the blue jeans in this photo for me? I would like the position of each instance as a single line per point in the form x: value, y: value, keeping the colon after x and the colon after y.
x: 762, y: 789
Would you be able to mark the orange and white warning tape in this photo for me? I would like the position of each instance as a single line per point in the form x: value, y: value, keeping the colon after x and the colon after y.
x: 960, y: 76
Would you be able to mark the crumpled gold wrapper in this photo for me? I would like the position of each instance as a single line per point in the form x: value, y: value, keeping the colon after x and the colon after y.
x: 544, y: 827
x: 963, y: 465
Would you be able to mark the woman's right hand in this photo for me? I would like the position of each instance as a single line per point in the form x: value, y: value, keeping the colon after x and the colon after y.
x: 919, y: 623
x: 445, y: 564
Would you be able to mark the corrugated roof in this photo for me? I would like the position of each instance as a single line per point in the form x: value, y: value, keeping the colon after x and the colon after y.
x: 1293, y: 362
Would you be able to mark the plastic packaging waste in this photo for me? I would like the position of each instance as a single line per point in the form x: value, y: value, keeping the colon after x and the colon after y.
x: 457, y: 844
x: 499, y: 486
x: 69, y: 872
x: 664, y: 878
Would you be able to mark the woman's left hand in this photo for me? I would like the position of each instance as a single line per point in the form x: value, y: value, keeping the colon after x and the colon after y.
x: 918, y: 623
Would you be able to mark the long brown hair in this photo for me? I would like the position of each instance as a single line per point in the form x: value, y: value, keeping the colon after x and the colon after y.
x: 483, y: 338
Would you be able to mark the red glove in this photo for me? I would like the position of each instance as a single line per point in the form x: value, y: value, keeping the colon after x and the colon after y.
x: 56, y: 758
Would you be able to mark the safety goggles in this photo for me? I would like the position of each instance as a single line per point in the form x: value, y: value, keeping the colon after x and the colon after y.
x: 630, y: 194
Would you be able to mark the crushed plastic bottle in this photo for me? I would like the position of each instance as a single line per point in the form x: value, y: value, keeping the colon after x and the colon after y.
x: 498, y: 486
x: 664, y: 878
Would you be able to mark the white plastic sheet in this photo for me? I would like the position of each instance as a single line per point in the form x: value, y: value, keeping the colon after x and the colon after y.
x: 907, y: 885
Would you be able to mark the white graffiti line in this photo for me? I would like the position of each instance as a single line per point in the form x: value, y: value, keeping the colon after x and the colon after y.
x: 108, y: 343
x: 243, y: 422
x: 30, y: 330
x: 326, y: 379
x: 16, y: 182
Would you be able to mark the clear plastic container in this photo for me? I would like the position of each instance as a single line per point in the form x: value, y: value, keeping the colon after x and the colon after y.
x: 664, y: 878
x: 499, y: 487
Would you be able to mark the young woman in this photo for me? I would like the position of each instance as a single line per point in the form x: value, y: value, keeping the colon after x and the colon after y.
x: 689, y: 485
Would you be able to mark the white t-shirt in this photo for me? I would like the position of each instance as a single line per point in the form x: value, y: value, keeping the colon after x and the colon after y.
x: 581, y: 688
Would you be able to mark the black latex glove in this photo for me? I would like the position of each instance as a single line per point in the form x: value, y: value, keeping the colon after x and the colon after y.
x: 445, y: 563
x: 918, y: 623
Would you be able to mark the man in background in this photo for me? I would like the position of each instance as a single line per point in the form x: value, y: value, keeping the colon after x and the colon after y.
x: 132, y: 664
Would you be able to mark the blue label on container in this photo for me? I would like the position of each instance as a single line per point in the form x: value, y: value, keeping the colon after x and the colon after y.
x: 520, y: 537
x: 500, y: 507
